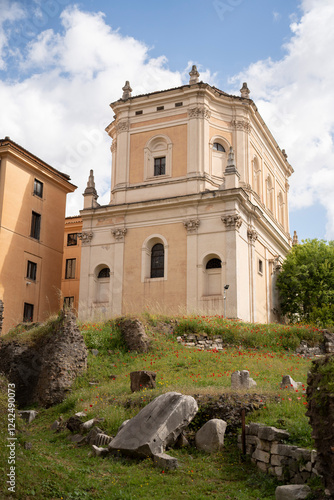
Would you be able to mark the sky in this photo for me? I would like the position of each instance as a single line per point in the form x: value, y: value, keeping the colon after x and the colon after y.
x: 62, y: 63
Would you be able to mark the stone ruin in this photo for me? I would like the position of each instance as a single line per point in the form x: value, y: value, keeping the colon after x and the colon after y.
x: 134, y: 335
x: 43, y: 371
x: 320, y: 396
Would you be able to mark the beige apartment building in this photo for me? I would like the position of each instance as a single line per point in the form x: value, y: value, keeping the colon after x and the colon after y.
x: 198, y: 214
x: 32, y: 213
x: 70, y: 281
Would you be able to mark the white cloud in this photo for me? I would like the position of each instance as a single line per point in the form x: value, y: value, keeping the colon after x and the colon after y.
x: 295, y: 97
x: 10, y: 12
x: 59, y: 112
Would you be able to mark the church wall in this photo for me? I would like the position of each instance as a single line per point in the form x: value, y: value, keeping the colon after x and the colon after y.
x: 158, y: 294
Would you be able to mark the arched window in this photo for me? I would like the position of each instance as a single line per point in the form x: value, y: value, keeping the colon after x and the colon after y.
x: 157, y: 261
x: 218, y: 156
x: 102, y: 284
x: 214, y: 264
x: 212, y: 284
x: 104, y: 273
x: 218, y: 147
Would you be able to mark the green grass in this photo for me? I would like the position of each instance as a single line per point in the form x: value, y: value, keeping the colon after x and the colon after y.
x: 55, y: 468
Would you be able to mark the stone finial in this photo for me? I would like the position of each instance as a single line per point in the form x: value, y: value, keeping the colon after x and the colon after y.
x: 90, y: 193
x: 90, y: 189
x: 194, y: 74
x: 244, y: 91
x: 295, y: 239
x: 126, y: 91
x: 284, y: 154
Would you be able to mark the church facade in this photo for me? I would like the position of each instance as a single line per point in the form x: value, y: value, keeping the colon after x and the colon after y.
x: 198, y: 216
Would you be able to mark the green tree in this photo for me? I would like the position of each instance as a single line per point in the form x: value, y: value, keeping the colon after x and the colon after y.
x: 306, y: 282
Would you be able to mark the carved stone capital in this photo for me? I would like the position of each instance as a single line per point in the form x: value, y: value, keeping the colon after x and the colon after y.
x: 241, y: 125
x: 191, y: 225
x: 113, y: 146
x: 199, y: 112
x: 119, y: 233
x: 85, y: 237
x: 232, y: 221
x: 122, y: 126
x: 252, y: 235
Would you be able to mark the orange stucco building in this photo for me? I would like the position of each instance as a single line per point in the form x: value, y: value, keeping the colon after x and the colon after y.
x: 70, y: 278
x: 32, y: 213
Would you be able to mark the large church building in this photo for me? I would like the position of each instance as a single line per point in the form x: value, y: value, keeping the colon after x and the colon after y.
x: 198, y: 216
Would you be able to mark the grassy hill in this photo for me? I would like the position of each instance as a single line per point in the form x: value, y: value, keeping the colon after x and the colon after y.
x: 55, y: 468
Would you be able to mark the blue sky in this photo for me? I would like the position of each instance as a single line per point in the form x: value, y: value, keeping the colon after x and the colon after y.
x: 63, y: 62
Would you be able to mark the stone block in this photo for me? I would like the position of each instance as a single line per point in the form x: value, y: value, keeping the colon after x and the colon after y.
x: 262, y: 466
x: 242, y: 380
x: 253, y: 440
x: 263, y: 444
x: 134, y: 334
x: 282, y: 449
x: 156, y: 426
x: 164, y: 461
x: 289, y: 383
x: 263, y: 456
x: 254, y: 428
x: 210, y: 437
x: 142, y: 379
x: 276, y: 460
x: 278, y: 471
x: 301, y: 454
x: 272, y: 434
x: 292, y: 492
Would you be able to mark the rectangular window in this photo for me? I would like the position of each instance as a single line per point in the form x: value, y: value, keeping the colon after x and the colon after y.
x: 28, y: 313
x: 260, y: 266
x: 72, y: 239
x: 160, y: 108
x: 139, y: 112
x: 38, y: 188
x: 70, y: 269
x: 160, y: 166
x: 68, y: 302
x: 35, y: 225
x: 31, y: 270
x: 178, y: 104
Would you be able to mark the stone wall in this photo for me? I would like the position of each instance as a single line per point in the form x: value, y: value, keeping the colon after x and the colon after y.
x: 286, y: 462
x: 216, y: 342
